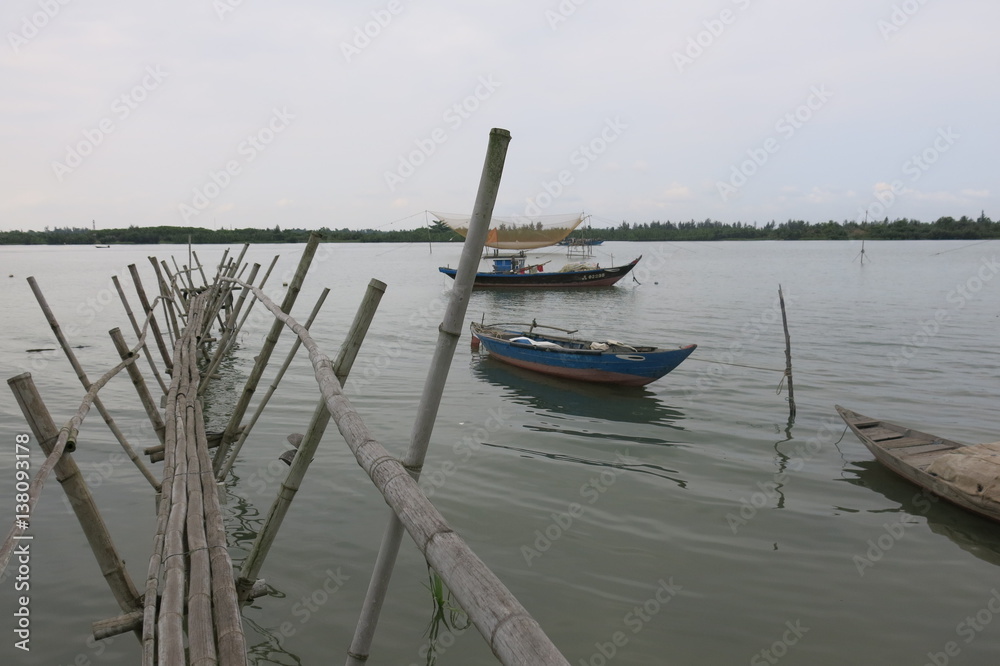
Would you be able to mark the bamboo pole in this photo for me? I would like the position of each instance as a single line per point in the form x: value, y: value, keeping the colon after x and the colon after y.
x: 228, y: 463
x: 448, y: 335
x: 172, y: 287
x: 512, y: 634
x: 201, y: 269
x: 307, y: 448
x: 82, y: 375
x: 264, y: 355
x: 788, y: 357
x: 68, y: 474
x: 168, y: 302
x: 147, y: 310
x: 140, y: 385
x: 239, y: 327
x: 228, y: 332
x: 135, y: 327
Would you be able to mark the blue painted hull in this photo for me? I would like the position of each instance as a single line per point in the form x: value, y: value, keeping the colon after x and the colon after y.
x: 617, y: 366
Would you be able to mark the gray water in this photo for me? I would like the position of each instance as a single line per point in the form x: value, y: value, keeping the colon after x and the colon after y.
x: 687, y: 522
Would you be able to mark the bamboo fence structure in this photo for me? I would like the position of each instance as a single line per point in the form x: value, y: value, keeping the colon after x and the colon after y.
x: 188, y: 610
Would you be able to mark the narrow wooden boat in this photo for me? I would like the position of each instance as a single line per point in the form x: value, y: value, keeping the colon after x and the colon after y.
x: 608, y: 362
x: 965, y: 474
x: 512, y: 272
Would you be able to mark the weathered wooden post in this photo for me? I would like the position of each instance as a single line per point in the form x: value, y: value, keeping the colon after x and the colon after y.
x: 147, y: 310
x: 140, y: 384
x: 68, y: 474
x: 138, y: 333
x: 449, y: 333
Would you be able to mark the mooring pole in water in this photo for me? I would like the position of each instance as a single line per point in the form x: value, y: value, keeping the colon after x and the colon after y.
x: 148, y: 312
x: 788, y: 357
x: 228, y: 464
x: 307, y: 448
x: 80, y: 498
x: 140, y: 384
x: 229, y: 436
x: 448, y: 335
x: 138, y: 333
x: 201, y: 269
x: 82, y: 375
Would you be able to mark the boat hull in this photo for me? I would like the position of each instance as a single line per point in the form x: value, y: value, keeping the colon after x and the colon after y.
x: 598, y: 277
x: 623, y: 369
x: 909, y: 453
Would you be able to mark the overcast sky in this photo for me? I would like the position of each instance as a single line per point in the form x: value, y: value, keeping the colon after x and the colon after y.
x: 304, y: 114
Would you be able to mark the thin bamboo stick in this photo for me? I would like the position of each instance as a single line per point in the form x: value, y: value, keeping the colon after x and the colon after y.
x: 227, y: 333
x: 135, y: 327
x: 448, y: 335
x: 788, y: 357
x: 140, y: 384
x: 81, y: 500
x: 265, y: 352
x: 119, y: 435
x: 201, y: 269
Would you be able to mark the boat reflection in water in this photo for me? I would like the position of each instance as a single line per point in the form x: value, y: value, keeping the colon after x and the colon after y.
x: 579, y: 400
x: 974, y: 534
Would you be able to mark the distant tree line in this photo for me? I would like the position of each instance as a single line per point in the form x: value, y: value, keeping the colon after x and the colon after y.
x: 944, y: 228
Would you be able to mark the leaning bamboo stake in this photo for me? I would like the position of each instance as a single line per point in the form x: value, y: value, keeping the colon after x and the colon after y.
x: 140, y: 384
x: 788, y: 358
x: 227, y: 333
x: 135, y: 327
x: 307, y: 448
x: 147, y: 310
x: 512, y: 634
x: 82, y: 375
x: 201, y: 269
x: 80, y: 498
x: 231, y: 342
x: 229, y: 436
x: 168, y: 302
x: 448, y: 335
x: 228, y: 463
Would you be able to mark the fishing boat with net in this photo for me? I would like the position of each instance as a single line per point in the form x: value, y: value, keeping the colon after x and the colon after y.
x: 520, y: 234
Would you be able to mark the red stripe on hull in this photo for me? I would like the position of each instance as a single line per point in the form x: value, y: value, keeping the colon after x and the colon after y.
x: 600, y: 376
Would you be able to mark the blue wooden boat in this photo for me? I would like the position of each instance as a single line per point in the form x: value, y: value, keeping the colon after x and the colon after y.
x: 608, y: 362
x: 513, y: 272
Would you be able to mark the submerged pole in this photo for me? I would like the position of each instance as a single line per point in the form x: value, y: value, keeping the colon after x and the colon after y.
x: 788, y: 358
x: 449, y: 333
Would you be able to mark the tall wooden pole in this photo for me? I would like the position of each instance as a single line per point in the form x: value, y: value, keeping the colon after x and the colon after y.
x: 449, y: 333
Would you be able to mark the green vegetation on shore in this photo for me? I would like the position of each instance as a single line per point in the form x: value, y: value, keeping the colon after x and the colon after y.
x: 945, y: 228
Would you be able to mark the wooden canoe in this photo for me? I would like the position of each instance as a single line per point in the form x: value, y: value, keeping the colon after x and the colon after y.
x: 964, y: 474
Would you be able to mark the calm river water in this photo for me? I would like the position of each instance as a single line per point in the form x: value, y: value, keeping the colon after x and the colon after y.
x: 684, y: 523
